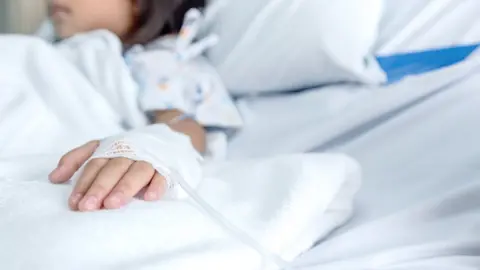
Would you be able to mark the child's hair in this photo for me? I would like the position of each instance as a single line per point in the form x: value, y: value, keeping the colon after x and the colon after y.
x: 157, y: 18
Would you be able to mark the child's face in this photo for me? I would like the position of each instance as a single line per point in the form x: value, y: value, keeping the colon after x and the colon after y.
x: 75, y: 16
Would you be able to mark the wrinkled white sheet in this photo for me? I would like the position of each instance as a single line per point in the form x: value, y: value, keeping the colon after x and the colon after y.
x: 441, y: 233
x: 412, y: 25
x: 416, y: 141
x: 261, y: 213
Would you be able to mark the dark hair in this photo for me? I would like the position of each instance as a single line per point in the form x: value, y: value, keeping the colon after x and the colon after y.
x: 156, y: 18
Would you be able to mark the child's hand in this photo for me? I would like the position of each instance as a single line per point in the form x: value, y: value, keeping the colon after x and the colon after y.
x: 107, y: 183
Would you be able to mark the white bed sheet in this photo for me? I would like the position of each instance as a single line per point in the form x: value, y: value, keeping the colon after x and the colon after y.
x: 411, y: 25
x: 416, y: 141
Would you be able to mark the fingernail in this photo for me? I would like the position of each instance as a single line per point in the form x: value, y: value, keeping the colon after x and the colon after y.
x: 95, y: 143
x: 90, y: 203
x: 75, y: 198
x: 116, y: 200
x: 55, y: 174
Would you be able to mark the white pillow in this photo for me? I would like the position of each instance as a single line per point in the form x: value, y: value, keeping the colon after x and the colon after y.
x: 275, y: 45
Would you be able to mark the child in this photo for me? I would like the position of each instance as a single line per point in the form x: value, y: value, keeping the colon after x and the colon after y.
x: 112, y: 183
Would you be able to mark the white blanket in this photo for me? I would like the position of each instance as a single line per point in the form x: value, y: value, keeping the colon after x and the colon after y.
x: 56, y: 98
x: 261, y: 214
x: 285, y: 204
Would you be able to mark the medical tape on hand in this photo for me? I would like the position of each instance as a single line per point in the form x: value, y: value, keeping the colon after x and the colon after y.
x: 161, y: 147
x: 171, y: 156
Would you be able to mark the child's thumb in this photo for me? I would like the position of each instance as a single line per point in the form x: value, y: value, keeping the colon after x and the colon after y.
x: 72, y: 161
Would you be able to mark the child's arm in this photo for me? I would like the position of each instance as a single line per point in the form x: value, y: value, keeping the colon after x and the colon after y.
x: 187, y: 126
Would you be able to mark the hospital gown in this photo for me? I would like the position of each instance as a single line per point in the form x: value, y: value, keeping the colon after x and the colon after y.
x: 166, y: 82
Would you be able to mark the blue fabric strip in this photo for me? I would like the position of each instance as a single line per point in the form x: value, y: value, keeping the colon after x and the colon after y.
x: 401, y: 65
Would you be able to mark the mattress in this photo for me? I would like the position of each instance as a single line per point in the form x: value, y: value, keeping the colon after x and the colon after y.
x: 416, y: 140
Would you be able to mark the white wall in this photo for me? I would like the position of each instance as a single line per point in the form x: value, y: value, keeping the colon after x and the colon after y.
x: 21, y: 16
x: 3, y: 16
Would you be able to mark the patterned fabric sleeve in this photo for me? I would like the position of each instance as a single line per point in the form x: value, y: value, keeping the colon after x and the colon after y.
x: 173, y: 74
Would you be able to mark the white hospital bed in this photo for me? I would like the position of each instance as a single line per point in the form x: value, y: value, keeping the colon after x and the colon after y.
x: 416, y: 141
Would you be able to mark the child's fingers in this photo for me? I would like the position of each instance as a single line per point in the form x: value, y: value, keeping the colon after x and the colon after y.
x: 137, y: 177
x: 72, y: 161
x: 104, y: 183
x: 156, y: 189
x: 85, y: 181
